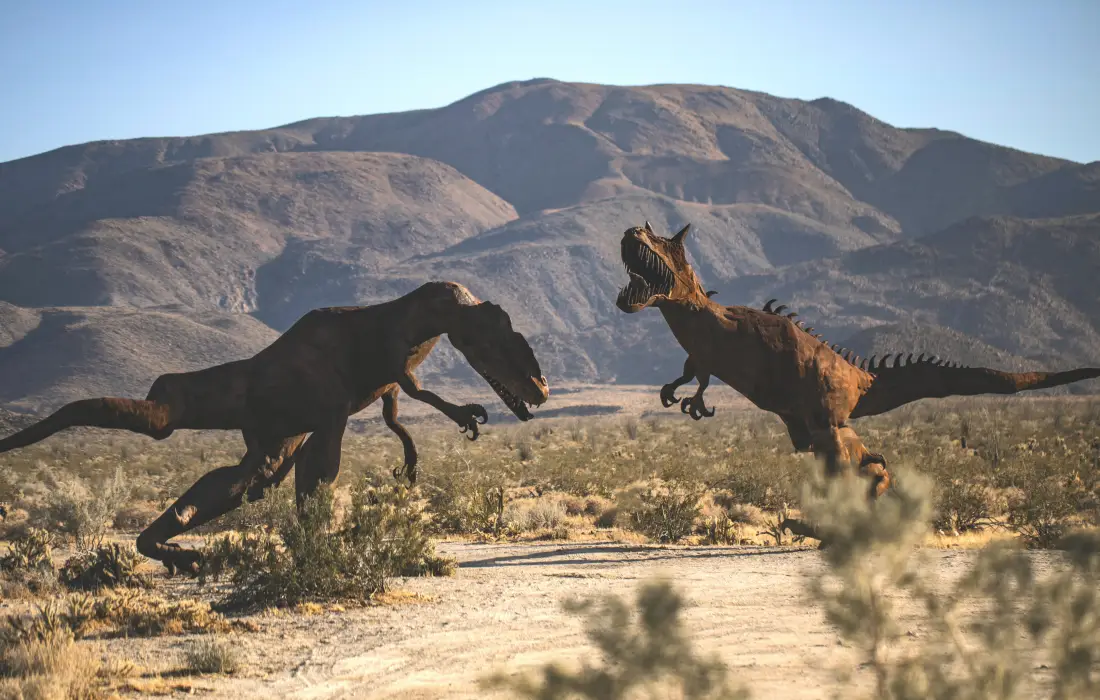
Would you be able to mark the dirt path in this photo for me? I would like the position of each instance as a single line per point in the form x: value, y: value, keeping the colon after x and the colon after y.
x: 501, y: 610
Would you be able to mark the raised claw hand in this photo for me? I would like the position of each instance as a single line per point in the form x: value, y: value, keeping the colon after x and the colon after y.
x: 694, y: 407
x: 469, y: 417
x: 668, y: 395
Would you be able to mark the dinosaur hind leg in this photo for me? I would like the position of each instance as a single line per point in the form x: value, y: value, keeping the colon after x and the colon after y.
x: 668, y: 391
x: 389, y: 414
x: 319, y: 462
x: 842, y: 449
x: 146, y: 417
x: 215, y: 493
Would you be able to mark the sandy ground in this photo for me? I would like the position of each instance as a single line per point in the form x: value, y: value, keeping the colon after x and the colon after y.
x: 502, y: 610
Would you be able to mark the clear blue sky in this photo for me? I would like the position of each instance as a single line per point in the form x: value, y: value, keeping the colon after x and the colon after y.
x: 1023, y: 74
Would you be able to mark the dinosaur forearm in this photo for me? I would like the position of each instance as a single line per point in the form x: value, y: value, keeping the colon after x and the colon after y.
x: 468, y: 417
x: 411, y: 386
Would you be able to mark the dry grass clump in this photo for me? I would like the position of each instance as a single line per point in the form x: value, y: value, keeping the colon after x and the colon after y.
x: 121, y: 613
x: 212, y: 654
x: 50, y: 667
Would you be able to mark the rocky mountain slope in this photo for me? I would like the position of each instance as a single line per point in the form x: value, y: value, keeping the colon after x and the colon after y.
x: 521, y: 192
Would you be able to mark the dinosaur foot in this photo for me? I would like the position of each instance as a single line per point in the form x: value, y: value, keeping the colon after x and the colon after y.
x: 184, y: 561
x: 801, y: 528
x: 873, y: 466
x: 408, y: 470
x: 694, y: 407
x: 668, y: 395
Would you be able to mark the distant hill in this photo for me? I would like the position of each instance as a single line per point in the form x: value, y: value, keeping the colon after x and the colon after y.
x: 521, y: 192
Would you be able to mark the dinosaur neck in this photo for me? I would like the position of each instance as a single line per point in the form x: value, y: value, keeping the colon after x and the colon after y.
x: 682, y: 315
x: 434, y: 309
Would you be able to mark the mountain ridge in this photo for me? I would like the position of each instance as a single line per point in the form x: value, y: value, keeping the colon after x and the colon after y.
x: 521, y: 191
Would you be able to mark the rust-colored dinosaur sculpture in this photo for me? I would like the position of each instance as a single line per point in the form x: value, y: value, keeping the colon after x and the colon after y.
x: 330, y: 364
x: 782, y: 367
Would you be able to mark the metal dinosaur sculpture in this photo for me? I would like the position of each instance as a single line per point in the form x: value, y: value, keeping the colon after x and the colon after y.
x: 332, y: 363
x: 783, y: 367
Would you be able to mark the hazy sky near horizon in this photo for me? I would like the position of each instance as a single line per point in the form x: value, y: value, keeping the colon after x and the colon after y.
x: 1021, y: 74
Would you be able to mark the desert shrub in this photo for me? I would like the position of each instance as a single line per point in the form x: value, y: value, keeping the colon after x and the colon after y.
x: 872, y: 561
x: 1041, y: 513
x: 722, y: 529
x: 464, y: 501
x: 109, y: 566
x: 312, y: 555
x: 211, y: 654
x: 645, y: 654
x: 663, y: 514
x: 84, y: 512
x: 962, y: 506
x: 30, y: 549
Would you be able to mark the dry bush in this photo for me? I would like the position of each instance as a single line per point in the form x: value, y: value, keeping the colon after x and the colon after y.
x: 662, y: 512
x: 314, y: 554
x: 644, y: 654
x: 85, y: 511
x: 962, y: 506
x: 1041, y: 514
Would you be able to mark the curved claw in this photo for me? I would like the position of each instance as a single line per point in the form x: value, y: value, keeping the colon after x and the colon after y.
x: 469, y: 417
x: 472, y: 428
x: 694, y: 407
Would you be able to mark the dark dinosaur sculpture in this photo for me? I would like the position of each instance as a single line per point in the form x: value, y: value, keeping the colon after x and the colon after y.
x: 782, y: 367
x: 330, y: 364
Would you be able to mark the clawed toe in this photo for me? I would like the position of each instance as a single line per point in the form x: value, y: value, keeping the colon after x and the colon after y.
x: 694, y: 407
x: 469, y: 417
x: 668, y: 395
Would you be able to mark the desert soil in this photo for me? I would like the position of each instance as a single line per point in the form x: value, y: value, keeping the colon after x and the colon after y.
x: 502, y: 611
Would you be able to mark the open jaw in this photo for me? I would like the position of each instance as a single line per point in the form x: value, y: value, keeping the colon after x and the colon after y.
x: 517, y: 405
x: 650, y: 277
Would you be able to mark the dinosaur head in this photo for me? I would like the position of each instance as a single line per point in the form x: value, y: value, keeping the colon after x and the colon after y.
x: 501, y: 355
x: 659, y: 270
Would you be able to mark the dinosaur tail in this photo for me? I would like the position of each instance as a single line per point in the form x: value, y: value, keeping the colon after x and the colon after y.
x: 901, y: 383
x: 145, y: 417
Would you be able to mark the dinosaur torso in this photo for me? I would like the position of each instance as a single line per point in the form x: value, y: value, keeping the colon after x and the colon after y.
x: 767, y: 358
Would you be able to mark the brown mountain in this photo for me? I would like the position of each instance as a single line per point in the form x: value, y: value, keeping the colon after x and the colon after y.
x: 521, y: 192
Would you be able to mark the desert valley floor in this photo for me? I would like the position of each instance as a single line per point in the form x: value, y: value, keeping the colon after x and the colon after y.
x: 435, y: 638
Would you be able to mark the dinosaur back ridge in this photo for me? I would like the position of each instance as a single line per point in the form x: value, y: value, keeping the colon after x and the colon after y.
x: 871, y: 365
